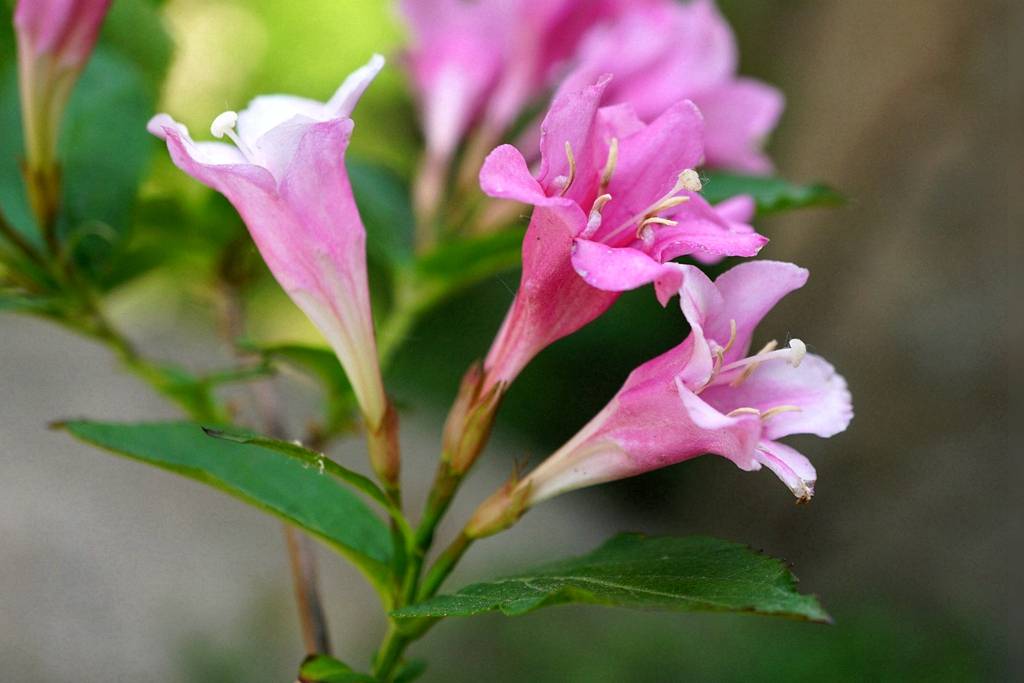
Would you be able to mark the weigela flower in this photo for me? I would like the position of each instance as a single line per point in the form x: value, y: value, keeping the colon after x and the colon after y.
x: 707, y: 395
x: 609, y: 188
x: 55, y: 41
x: 663, y: 52
x: 285, y: 174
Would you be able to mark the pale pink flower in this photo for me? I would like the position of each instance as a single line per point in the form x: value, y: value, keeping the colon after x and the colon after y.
x: 286, y: 176
x: 608, y: 183
x: 711, y: 395
x: 663, y: 52
x: 55, y: 40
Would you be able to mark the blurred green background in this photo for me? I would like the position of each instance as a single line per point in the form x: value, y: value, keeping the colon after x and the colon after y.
x: 109, y: 571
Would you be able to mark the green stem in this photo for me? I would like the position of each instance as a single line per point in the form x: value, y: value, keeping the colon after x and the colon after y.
x: 443, y: 566
x: 390, y: 653
x: 16, y: 239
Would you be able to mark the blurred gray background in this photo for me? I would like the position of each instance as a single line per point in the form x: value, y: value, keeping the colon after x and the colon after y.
x: 112, y: 571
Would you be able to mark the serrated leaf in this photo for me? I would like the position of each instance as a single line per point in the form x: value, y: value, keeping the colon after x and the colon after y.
x: 324, y: 669
x: 258, y: 475
x: 771, y: 194
x: 635, y: 571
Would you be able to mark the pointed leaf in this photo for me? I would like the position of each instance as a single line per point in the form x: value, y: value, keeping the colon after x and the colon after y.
x: 258, y: 475
x: 631, y: 570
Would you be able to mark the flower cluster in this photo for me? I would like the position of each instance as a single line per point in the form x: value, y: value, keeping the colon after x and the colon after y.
x: 649, y: 95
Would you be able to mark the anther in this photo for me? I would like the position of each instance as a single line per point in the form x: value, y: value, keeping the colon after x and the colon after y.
x: 799, y: 351
x: 690, y: 181
x: 594, y: 219
x: 609, y: 166
x: 223, y: 125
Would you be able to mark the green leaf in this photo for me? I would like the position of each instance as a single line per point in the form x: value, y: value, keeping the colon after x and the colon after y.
x: 771, y: 194
x: 307, y: 458
x: 258, y: 475
x: 324, y: 669
x: 384, y: 205
x: 321, y: 364
x: 631, y: 570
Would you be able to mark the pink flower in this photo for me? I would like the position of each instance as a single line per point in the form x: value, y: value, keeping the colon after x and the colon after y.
x: 609, y: 185
x: 707, y: 395
x: 663, y: 52
x: 55, y: 40
x: 286, y: 176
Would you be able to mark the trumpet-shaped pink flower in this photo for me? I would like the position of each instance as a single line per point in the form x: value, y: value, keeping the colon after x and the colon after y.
x: 663, y: 52
x: 709, y: 395
x: 286, y: 176
x: 609, y: 185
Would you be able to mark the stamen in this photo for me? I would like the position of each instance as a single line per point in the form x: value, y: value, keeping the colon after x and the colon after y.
x: 223, y: 125
x: 732, y: 336
x: 772, y: 412
x: 670, y: 200
x: 609, y: 166
x: 566, y: 182
x: 594, y: 219
x: 743, y: 411
x: 645, y: 231
x: 751, y: 363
